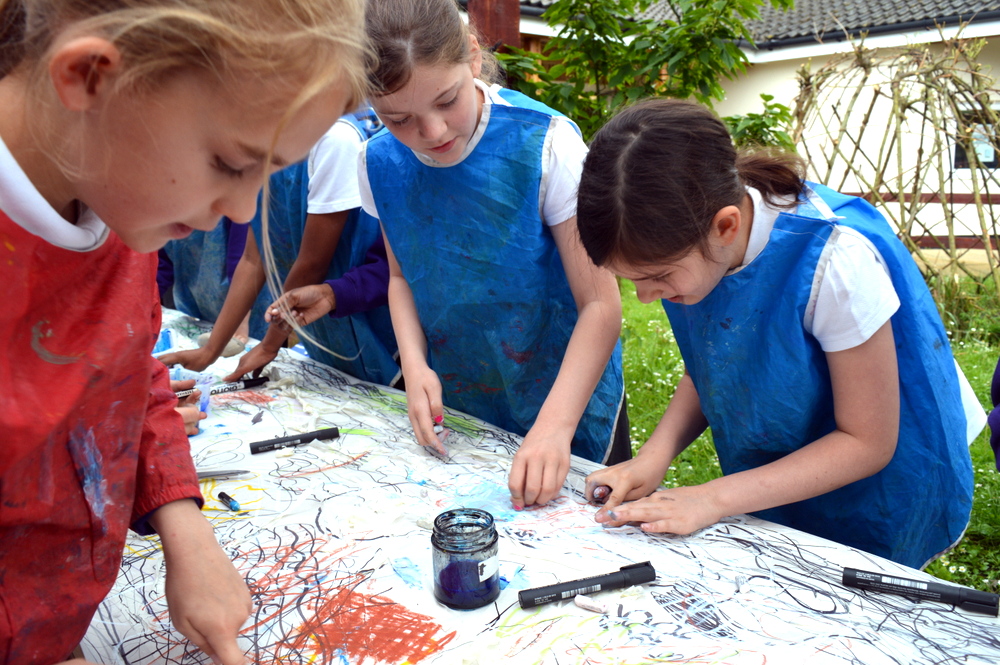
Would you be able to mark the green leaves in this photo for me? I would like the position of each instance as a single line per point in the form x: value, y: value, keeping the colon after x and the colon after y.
x: 605, y: 55
x: 762, y: 129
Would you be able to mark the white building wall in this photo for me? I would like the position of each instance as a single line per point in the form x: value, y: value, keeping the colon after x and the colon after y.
x: 774, y: 73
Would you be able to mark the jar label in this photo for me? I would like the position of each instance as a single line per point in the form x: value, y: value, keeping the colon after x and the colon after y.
x: 488, y: 568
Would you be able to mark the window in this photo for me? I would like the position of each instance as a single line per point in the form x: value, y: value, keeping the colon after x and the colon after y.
x: 984, y: 139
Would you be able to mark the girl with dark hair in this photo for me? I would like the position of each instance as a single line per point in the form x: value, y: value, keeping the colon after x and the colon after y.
x: 812, y: 346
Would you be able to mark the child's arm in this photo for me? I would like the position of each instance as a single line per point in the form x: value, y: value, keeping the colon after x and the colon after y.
x: 681, y: 424
x: 207, y: 598
x: 319, y: 243
x: 423, y: 387
x: 360, y: 289
x: 542, y: 462
x: 865, y: 383
x: 248, y: 280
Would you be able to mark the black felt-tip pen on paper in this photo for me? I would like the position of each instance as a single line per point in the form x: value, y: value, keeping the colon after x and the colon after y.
x: 636, y: 573
x: 238, y: 385
x: 230, y: 502
x: 972, y: 600
x: 294, y: 440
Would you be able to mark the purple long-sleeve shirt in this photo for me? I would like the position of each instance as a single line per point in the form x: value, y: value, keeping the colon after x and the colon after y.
x: 365, y: 286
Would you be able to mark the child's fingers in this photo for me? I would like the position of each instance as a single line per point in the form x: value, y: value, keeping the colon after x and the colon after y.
x: 534, y: 478
x: 600, y: 493
x: 515, y: 483
x: 612, y: 516
x: 225, y: 650
x: 596, y: 489
x: 194, y: 399
x: 552, y: 482
x: 616, y: 497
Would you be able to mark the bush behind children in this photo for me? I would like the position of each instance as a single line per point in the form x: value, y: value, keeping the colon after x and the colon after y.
x: 124, y: 124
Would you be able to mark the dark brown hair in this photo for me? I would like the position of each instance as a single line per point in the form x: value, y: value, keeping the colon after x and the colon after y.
x: 657, y: 174
x: 406, y: 33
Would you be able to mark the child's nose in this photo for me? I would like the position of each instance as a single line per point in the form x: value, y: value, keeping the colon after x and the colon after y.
x: 646, y: 292
x: 238, y: 203
x: 432, y: 127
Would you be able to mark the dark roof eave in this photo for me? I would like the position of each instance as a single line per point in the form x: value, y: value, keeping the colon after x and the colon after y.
x: 526, y: 10
x: 836, y: 36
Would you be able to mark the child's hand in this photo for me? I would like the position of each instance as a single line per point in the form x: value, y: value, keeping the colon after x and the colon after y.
x: 539, y: 469
x: 192, y: 415
x: 424, y: 405
x: 253, y: 361
x: 681, y: 510
x: 307, y: 303
x: 189, y: 407
x: 186, y: 384
x: 627, y: 481
x: 192, y: 359
x: 207, y: 598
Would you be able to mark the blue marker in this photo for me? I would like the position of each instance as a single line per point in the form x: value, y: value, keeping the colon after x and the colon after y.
x: 230, y: 502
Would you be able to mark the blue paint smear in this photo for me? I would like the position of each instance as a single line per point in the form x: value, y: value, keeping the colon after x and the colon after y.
x: 487, y: 496
x: 89, y: 470
x: 408, y: 571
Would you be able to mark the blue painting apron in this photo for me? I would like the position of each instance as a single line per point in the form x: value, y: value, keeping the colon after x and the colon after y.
x: 200, y: 281
x: 365, y: 339
x: 485, y: 273
x: 764, y: 386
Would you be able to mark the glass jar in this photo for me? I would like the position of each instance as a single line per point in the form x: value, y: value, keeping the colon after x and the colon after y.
x: 466, y: 567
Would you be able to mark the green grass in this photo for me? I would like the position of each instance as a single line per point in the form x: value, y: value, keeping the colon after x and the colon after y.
x: 653, y: 367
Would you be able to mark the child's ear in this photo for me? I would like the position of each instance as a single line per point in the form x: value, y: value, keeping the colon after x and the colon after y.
x: 475, y: 56
x: 83, y: 69
x: 726, y: 225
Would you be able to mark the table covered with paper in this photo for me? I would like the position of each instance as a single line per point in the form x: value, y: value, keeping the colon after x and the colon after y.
x: 333, y: 539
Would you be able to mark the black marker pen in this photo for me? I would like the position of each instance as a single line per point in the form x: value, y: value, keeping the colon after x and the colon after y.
x: 963, y: 597
x: 294, y: 440
x: 181, y: 394
x: 238, y: 385
x: 636, y: 573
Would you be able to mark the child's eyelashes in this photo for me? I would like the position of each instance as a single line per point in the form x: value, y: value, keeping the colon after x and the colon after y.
x: 399, y: 123
x: 227, y: 169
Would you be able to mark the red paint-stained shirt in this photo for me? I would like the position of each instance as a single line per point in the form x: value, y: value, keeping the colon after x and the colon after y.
x: 90, y: 442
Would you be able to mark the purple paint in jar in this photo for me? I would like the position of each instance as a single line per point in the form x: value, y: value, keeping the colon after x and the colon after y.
x: 466, y: 566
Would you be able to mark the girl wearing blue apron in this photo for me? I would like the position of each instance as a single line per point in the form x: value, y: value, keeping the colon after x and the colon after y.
x: 812, y: 346
x: 497, y: 310
x: 360, y: 343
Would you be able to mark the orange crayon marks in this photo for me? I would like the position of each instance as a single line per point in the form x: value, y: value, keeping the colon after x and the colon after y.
x: 248, y: 396
x: 308, y: 597
x: 366, y: 627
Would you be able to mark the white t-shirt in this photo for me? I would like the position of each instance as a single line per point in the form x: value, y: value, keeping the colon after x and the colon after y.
x: 562, y: 163
x: 333, y: 171
x: 28, y: 209
x: 852, y: 295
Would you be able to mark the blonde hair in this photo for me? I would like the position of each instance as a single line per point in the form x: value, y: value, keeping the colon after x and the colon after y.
x: 406, y: 33
x: 302, y: 46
